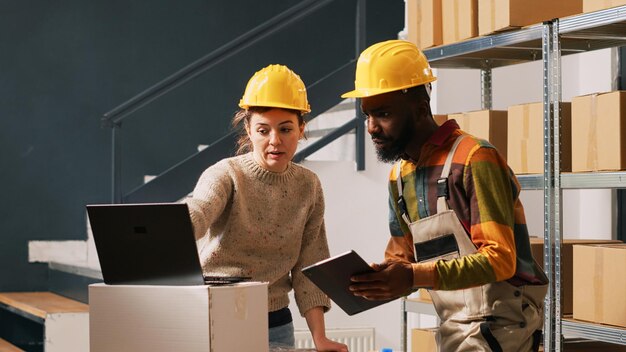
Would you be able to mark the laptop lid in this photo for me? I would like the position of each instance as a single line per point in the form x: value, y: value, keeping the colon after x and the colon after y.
x: 145, y: 244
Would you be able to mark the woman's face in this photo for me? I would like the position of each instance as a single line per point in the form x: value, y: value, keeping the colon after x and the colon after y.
x: 274, y: 135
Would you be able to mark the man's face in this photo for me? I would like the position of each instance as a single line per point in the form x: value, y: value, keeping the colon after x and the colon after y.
x: 391, y: 124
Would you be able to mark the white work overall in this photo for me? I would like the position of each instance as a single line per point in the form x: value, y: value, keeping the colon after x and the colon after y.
x: 492, y: 317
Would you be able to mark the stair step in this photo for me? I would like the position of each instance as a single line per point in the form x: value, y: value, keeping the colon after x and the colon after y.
x: 39, y: 305
x: 63, y: 323
x: 6, y: 346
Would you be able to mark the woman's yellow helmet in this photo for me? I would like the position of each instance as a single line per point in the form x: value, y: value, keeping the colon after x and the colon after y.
x: 275, y: 86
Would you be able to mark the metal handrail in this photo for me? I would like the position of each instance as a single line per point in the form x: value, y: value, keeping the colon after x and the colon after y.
x: 327, y: 139
x: 286, y: 18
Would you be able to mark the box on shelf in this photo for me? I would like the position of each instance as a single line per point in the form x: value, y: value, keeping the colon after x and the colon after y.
x: 424, y: 340
x: 525, y: 138
x: 600, y: 283
x: 595, y: 5
x: 599, y: 132
x: 486, y: 124
x: 499, y: 15
x: 567, y: 260
x: 460, y: 20
x: 423, y: 294
x: 178, y: 318
x: 424, y: 23
x: 440, y: 119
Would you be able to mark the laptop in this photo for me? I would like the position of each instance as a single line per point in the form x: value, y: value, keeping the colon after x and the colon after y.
x: 148, y: 244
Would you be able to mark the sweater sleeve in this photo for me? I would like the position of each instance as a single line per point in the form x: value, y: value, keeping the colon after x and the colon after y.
x: 209, y: 198
x: 314, y: 248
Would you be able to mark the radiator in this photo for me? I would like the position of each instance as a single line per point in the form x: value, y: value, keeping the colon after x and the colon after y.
x: 357, y: 339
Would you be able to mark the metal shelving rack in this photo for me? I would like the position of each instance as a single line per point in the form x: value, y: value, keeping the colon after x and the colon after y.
x: 546, y: 42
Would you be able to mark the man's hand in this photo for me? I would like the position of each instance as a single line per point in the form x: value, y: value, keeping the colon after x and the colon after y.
x: 391, y: 280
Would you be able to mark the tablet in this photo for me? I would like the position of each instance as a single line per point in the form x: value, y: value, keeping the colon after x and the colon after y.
x: 332, y: 276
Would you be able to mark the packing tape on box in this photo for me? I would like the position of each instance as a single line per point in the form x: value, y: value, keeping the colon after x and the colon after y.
x: 492, y: 13
x: 418, y: 15
x: 592, y: 137
x: 457, y: 30
x: 241, y: 303
x: 211, y: 321
x: 525, y: 133
x: 598, y: 288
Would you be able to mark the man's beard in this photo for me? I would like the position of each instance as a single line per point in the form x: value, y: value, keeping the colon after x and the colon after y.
x: 397, y: 147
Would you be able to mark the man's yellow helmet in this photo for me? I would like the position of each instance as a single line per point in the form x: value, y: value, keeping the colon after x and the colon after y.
x: 389, y: 66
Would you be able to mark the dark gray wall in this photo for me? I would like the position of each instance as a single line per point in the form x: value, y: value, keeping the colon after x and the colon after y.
x: 65, y: 63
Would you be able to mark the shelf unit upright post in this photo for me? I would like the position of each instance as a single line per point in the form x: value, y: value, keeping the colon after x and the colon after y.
x: 552, y: 192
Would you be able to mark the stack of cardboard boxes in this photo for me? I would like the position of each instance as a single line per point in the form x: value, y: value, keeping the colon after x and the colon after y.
x: 436, y: 22
x: 592, y: 133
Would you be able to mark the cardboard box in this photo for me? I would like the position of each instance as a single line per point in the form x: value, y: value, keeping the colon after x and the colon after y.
x: 525, y: 138
x: 178, y: 318
x: 600, y: 283
x: 423, y: 340
x: 440, y: 119
x: 599, y: 132
x: 486, y: 124
x: 424, y: 295
x: 595, y: 5
x: 567, y: 260
x: 460, y: 20
x: 424, y: 25
x: 499, y: 15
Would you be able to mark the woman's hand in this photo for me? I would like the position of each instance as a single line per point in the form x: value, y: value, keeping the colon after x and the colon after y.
x: 315, y: 320
x: 325, y: 344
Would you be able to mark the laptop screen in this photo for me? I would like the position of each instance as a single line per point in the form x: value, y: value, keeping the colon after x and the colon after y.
x: 145, y: 244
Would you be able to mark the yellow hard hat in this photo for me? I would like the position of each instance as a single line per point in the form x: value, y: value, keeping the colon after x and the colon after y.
x: 275, y: 86
x: 389, y: 66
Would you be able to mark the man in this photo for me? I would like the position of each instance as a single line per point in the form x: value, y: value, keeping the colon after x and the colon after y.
x: 457, y: 225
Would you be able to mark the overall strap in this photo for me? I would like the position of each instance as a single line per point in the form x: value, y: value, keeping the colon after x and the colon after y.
x: 401, y: 202
x: 442, y: 184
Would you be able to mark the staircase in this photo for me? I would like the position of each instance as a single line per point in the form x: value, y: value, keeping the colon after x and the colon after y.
x: 73, y: 265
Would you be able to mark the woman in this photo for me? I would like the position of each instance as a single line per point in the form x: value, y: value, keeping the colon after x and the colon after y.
x: 263, y: 215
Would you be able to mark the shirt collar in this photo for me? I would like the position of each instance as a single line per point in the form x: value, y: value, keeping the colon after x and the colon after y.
x: 443, y: 132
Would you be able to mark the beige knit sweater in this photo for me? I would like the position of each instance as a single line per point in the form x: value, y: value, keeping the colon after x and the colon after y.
x: 262, y: 224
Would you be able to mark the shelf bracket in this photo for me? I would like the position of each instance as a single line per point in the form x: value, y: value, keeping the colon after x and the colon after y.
x: 486, y: 89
